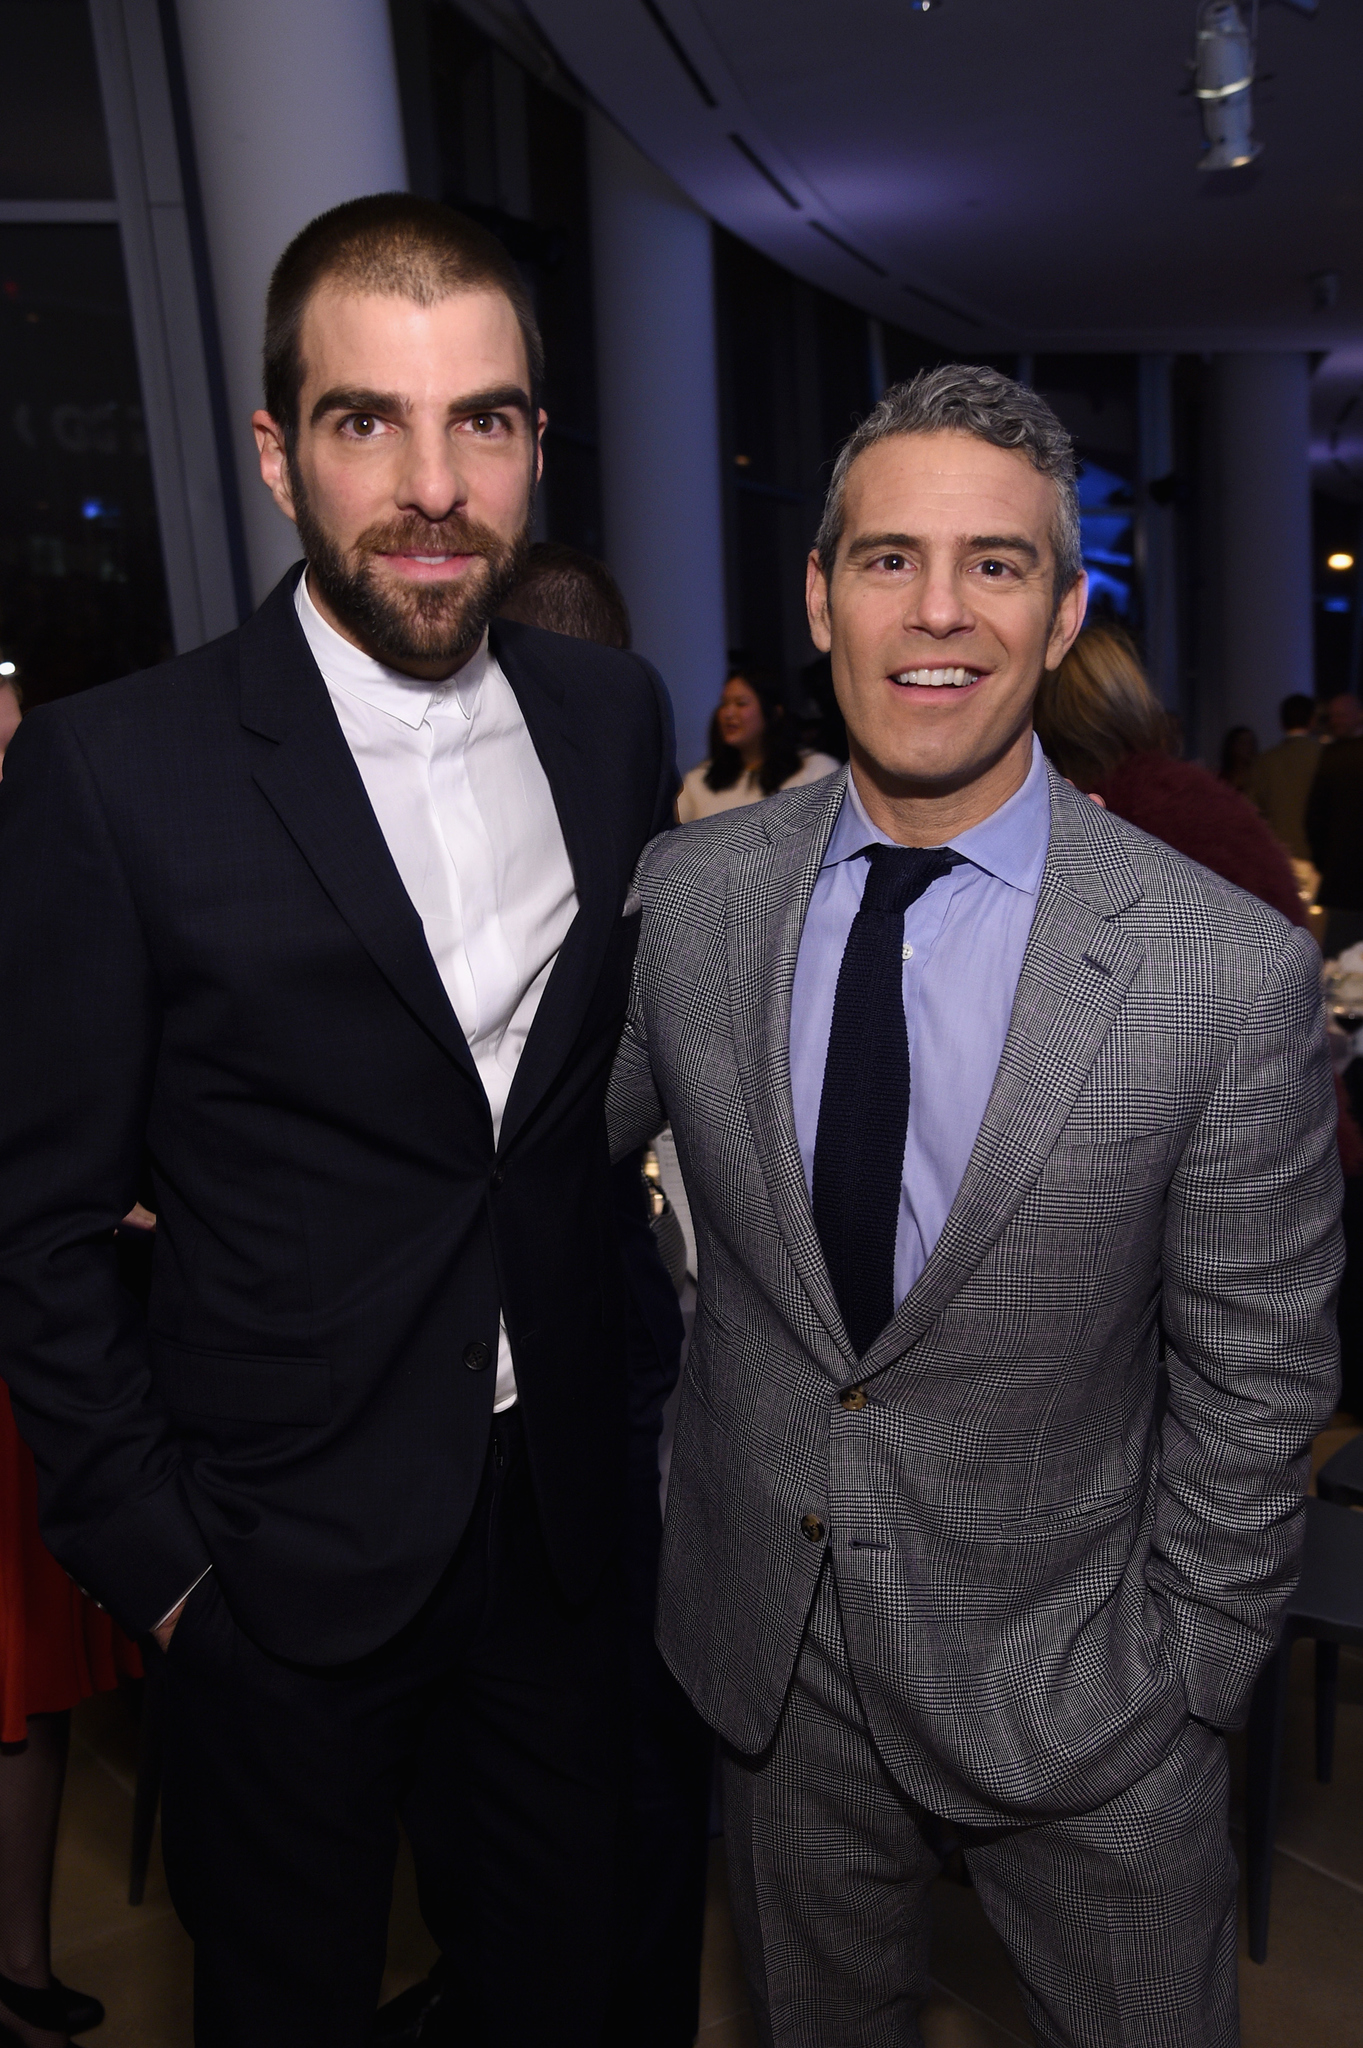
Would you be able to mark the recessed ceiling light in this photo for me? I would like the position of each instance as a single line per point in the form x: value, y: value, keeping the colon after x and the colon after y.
x: 1340, y: 560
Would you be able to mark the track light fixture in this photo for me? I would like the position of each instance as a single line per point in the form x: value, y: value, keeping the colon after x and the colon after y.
x: 1223, y: 74
x: 1223, y: 67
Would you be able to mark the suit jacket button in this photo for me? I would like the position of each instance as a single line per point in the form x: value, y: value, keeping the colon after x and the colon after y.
x: 813, y: 1528
x: 853, y: 1398
x: 477, y: 1355
x: 497, y: 1177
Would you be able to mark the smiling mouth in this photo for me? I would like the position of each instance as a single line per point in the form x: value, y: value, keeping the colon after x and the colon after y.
x: 936, y: 678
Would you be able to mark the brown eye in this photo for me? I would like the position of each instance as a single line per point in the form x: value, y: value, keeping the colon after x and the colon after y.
x: 363, y: 424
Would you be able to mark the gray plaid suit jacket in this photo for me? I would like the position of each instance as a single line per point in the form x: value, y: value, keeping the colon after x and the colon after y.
x: 1047, y: 1551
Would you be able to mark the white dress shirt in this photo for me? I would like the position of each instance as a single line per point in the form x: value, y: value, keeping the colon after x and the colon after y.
x: 466, y: 809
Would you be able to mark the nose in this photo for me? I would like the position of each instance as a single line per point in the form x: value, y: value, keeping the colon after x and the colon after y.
x: 431, y: 481
x: 938, y: 602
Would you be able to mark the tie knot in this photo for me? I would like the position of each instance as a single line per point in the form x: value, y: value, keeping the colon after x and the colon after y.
x: 900, y: 874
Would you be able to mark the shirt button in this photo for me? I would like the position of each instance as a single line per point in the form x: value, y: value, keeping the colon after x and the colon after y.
x: 477, y: 1355
x: 908, y: 952
x: 813, y: 1528
x: 854, y: 1398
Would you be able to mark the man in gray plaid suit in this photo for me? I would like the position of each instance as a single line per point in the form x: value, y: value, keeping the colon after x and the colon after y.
x: 1009, y: 1138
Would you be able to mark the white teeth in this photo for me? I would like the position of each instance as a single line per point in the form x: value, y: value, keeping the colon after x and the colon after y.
x: 937, y: 678
x: 433, y: 561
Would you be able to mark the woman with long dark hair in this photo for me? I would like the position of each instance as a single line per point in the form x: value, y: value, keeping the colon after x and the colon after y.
x: 753, y: 752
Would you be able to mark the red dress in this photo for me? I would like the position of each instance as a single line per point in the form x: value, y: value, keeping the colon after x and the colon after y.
x: 56, y: 1647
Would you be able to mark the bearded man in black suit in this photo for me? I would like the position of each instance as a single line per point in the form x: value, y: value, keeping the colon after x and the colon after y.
x: 330, y: 924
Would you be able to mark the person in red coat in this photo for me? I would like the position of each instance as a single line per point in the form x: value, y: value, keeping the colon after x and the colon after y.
x: 56, y: 1647
x: 1104, y: 728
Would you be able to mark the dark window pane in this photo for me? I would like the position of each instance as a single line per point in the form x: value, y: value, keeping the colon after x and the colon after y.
x: 52, y: 143
x: 82, y: 591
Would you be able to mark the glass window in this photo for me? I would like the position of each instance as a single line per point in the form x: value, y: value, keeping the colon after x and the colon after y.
x: 51, y: 117
x: 82, y: 590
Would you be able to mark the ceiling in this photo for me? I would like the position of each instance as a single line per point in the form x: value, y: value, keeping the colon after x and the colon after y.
x: 1006, y: 176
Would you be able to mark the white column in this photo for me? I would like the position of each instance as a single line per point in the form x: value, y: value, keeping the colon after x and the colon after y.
x: 294, y: 107
x: 659, y: 411
x: 1264, y: 487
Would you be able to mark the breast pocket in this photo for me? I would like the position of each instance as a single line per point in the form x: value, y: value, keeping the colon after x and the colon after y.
x: 1105, y: 1188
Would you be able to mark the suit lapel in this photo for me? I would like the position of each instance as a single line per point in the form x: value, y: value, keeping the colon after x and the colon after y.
x: 768, y: 896
x: 593, y: 833
x: 309, y: 777
x: 1075, y: 974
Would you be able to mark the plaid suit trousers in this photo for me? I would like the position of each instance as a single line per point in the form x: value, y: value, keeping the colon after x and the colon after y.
x: 1120, y: 1922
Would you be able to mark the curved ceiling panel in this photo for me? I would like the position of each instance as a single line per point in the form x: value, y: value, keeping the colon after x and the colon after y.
x: 1000, y: 175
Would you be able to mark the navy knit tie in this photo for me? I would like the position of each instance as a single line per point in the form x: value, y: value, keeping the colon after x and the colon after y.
x: 864, y: 1108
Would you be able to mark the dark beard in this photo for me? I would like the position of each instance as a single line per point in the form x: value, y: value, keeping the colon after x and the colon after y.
x: 430, y: 622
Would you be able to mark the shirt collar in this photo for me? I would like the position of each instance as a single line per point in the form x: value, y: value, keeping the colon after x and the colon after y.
x: 349, y: 668
x: 1010, y: 844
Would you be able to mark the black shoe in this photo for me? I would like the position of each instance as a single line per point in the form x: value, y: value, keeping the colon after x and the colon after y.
x: 419, y: 2018
x: 58, y: 2010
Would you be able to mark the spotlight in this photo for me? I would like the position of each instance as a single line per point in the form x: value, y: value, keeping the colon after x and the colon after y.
x: 1336, y: 561
x: 8, y: 668
x: 1223, y: 75
x: 923, y: 6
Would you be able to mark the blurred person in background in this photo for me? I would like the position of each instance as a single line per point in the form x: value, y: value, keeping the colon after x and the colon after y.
x: 566, y: 591
x: 1280, y: 783
x: 754, y: 751
x: 1342, y: 717
x: 823, y: 729
x: 1334, y: 826
x: 56, y: 1648
x: 1239, y: 750
x: 11, y: 711
x: 1104, y: 728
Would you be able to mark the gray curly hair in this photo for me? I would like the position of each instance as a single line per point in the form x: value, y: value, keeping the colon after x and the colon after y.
x: 967, y: 398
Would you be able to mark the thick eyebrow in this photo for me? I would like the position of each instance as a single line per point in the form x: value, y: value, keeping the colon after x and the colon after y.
x: 501, y: 398
x: 904, y: 543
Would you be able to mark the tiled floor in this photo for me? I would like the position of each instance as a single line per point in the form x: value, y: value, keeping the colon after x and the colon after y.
x: 139, y: 1962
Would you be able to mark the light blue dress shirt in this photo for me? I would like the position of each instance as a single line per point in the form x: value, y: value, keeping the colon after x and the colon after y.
x: 963, y: 945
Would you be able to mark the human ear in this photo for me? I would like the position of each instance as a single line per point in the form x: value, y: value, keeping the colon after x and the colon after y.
x: 274, y: 463
x: 816, y: 604
x: 1069, y: 618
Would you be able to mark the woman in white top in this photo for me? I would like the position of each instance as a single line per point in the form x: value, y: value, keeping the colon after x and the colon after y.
x: 753, y: 753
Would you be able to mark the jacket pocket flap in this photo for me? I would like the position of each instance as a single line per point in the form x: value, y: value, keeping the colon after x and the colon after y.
x: 242, y: 1389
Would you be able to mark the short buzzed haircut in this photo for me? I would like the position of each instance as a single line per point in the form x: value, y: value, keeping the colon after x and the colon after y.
x: 566, y: 591
x: 968, y: 398
x: 1296, y: 712
x: 393, y: 245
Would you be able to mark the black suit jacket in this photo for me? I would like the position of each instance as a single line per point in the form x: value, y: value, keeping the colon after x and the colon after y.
x: 207, y: 959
